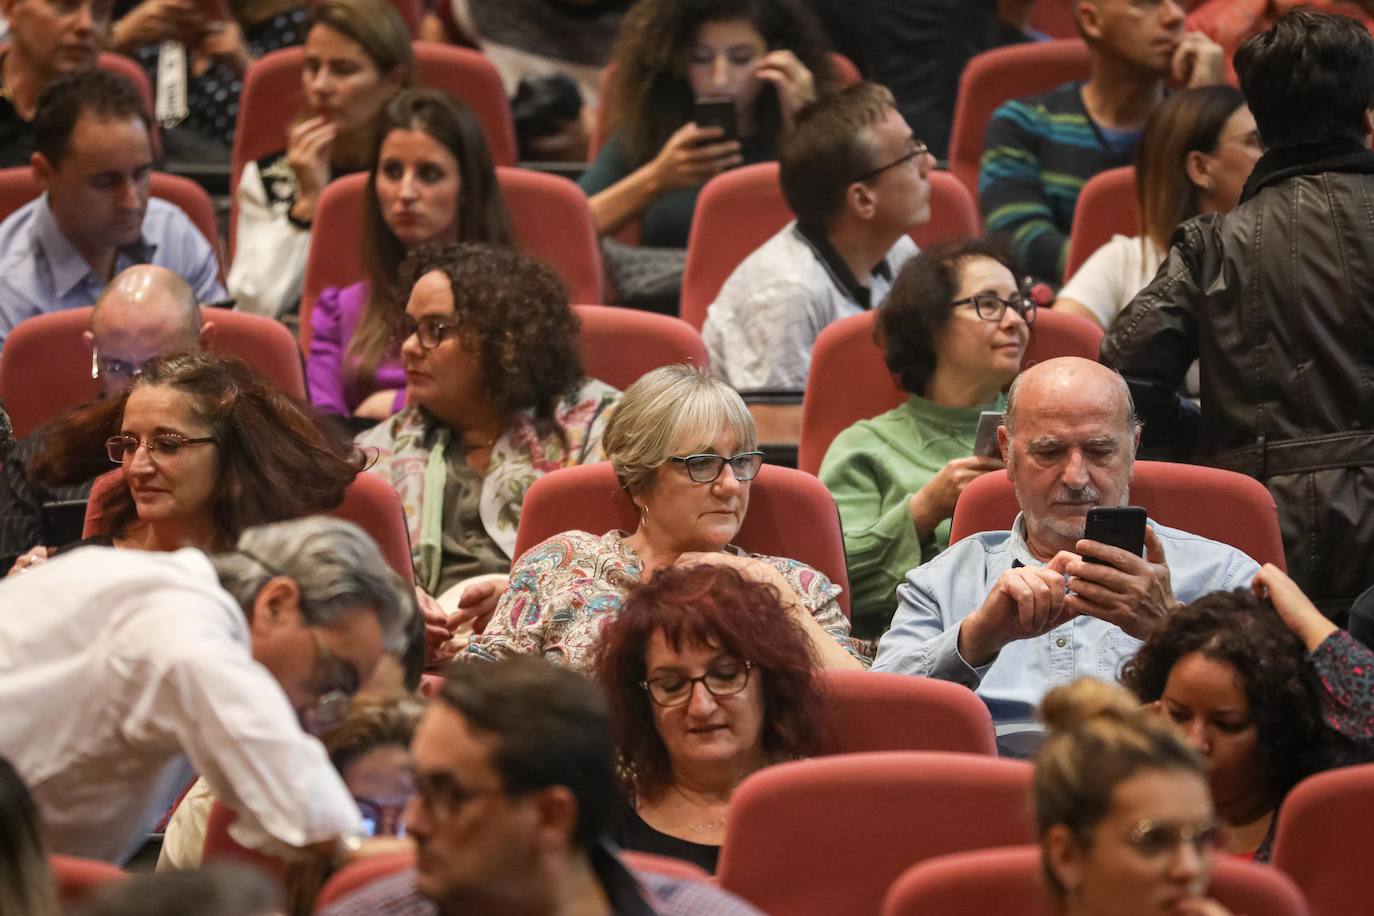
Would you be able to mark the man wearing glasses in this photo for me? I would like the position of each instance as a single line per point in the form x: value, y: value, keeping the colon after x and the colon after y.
x: 122, y: 672
x: 857, y: 180
x: 1012, y: 614
x: 514, y: 785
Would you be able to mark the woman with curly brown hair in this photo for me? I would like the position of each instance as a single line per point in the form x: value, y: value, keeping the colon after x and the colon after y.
x: 1269, y: 691
x: 497, y: 399
x: 709, y: 679
x: 207, y: 449
x: 767, y: 57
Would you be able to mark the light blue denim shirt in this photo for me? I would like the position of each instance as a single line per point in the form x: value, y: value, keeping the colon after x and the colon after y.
x: 937, y: 596
x: 41, y: 272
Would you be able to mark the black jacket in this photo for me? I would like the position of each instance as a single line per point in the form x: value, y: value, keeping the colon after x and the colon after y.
x: 1276, y: 301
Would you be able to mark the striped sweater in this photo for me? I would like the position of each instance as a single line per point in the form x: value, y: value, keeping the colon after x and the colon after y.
x: 1037, y: 154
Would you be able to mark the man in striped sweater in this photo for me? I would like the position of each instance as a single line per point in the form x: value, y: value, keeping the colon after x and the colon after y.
x: 1040, y: 150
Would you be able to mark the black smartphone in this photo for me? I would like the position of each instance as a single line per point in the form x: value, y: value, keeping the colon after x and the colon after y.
x: 1122, y: 526
x: 985, y: 440
x: 720, y: 113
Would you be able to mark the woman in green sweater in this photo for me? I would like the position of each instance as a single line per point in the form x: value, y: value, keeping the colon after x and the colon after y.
x: 953, y: 331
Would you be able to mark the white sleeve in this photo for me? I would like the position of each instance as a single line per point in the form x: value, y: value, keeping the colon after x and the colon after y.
x: 232, y: 720
x: 1108, y: 280
x: 269, y: 251
x: 763, y: 341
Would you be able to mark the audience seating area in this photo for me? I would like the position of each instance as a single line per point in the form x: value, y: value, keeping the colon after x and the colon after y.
x: 1107, y: 207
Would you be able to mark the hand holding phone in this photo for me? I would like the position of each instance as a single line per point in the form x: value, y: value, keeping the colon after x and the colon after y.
x: 717, y: 113
x: 1116, y: 526
x: 985, y: 440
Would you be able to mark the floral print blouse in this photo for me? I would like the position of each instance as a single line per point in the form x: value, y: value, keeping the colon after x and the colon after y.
x: 563, y: 591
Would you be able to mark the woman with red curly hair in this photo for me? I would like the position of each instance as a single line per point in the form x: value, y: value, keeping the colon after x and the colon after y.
x: 709, y: 679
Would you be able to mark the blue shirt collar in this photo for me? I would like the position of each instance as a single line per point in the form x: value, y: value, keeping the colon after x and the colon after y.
x: 69, y: 269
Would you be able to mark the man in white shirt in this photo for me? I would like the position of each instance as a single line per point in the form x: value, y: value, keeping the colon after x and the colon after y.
x: 118, y: 668
x: 857, y: 180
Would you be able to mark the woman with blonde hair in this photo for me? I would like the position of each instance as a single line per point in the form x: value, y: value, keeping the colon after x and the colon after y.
x: 1122, y: 808
x: 357, y: 57
x: 685, y: 451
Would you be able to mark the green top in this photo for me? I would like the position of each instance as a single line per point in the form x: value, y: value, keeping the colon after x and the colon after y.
x: 872, y: 468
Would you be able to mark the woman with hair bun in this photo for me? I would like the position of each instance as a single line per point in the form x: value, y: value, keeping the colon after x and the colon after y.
x: 1122, y: 808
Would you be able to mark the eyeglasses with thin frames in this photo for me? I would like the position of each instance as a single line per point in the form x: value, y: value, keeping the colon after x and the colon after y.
x: 441, y: 794
x: 1152, y: 838
x: 725, y: 680
x: 111, y: 366
x: 705, y: 467
x: 917, y: 150
x: 160, y: 445
x: 991, y: 307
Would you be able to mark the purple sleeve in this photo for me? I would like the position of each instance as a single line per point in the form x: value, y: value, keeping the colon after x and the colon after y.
x: 324, y: 366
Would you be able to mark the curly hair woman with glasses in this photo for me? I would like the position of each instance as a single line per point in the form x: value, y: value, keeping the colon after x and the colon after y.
x: 709, y: 679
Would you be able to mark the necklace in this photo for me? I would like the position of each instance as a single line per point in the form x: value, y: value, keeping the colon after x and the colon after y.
x: 702, y: 826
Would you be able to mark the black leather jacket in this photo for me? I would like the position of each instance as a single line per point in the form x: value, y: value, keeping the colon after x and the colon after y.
x: 1276, y: 301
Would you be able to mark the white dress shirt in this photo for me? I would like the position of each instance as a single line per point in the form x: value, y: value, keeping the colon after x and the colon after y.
x: 116, y: 666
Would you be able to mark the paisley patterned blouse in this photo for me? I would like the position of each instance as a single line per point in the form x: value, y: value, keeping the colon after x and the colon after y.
x: 563, y: 591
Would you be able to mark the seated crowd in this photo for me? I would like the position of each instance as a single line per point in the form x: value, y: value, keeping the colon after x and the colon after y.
x: 292, y: 614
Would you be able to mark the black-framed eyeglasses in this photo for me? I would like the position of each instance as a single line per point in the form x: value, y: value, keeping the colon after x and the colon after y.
x: 1152, y: 838
x: 724, y: 680
x: 160, y: 445
x: 705, y: 468
x: 431, y: 330
x: 917, y: 150
x: 991, y: 307
x: 441, y: 794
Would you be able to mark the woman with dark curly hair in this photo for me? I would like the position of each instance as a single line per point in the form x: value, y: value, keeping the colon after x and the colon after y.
x: 207, y: 449
x: 767, y: 57
x: 953, y: 330
x: 497, y: 399
x: 1269, y: 691
x: 709, y: 679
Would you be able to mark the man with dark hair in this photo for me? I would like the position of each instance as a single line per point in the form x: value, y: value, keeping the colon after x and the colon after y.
x: 47, y: 39
x: 514, y: 785
x: 1276, y: 301
x: 857, y: 180
x: 1039, y: 151
x: 94, y: 163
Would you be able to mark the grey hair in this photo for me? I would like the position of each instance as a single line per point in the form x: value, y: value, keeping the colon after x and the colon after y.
x: 335, y: 564
x: 671, y: 410
x: 1132, y: 419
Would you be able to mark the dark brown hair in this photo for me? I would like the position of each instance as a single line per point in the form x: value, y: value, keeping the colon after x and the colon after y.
x: 278, y: 459
x: 714, y: 606
x: 650, y: 92
x: 99, y: 93
x: 829, y: 145
x: 919, y: 304
x: 513, y: 315
x: 1188, y: 120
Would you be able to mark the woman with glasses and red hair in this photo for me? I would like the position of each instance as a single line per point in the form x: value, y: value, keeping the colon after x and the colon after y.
x: 953, y: 330
x: 205, y: 449
x: 685, y: 450
x: 709, y: 680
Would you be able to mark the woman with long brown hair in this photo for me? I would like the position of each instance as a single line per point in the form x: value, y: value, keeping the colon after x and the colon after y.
x: 432, y: 181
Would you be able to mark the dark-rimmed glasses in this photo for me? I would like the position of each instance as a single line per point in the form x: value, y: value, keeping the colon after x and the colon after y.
x: 441, y: 794
x: 430, y: 331
x: 991, y: 307
x: 705, y: 468
x: 160, y: 445
x: 1154, y: 839
x: 917, y: 150
x: 724, y: 680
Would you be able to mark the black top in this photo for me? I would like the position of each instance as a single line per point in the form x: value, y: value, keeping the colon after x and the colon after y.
x: 16, y: 134
x: 630, y: 832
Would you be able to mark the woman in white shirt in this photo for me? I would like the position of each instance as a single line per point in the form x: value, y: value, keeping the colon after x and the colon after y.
x: 357, y: 57
x: 1198, y: 148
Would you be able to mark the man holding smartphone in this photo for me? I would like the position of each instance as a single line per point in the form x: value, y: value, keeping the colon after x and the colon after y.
x: 1011, y: 614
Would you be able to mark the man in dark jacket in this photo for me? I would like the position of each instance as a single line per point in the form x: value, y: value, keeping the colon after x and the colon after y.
x: 1276, y: 301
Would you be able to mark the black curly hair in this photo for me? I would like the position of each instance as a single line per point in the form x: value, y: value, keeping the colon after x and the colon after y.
x: 513, y: 313
x: 1280, y: 686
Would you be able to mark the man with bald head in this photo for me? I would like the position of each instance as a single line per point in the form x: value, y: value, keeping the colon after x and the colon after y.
x: 145, y: 311
x: 1012, y: 614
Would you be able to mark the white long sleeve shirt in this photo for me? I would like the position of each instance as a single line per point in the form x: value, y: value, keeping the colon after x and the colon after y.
x: 121, y: 673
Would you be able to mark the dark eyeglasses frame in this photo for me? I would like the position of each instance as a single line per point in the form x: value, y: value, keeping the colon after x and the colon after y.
x: 917, y: 149
x: 430, y: 331
x: 1024, y: 305
x: 752, y: 467
x: 119, y: 445
x: 648, y: 686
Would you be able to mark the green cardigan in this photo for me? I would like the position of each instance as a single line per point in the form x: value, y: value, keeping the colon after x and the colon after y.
x: 872, y: 468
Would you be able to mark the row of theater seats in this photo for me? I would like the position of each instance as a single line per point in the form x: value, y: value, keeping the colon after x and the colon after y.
x: 939, y: 832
